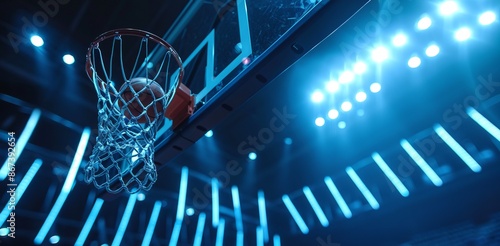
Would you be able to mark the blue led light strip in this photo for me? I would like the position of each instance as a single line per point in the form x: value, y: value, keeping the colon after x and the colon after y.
x: 215, y: 202
x: 152, y: 224
x: 237, y: 208
x: 68, y: 184
x: 362, y: 187
x: 90, y: 221
x: 314, y: 204
x: 435, y: 179
x: 390, y: 174
x: 459, y: 150
x: 338, y: 197
x: 295, y: 214
x: 21, y: 142
x: 484, y: 123
x: 199, y: 230
x: 263, y: 214
x: 125, y: 219
x: 21, y: 188
x: 181, y: 207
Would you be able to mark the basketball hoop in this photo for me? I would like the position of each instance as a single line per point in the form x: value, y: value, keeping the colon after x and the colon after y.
x: 132, y: 106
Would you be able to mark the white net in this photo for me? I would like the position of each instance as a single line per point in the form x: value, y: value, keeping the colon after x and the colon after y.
x: 129, y: 117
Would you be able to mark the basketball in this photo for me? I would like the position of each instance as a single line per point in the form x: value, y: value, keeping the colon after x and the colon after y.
x: 139, y: 96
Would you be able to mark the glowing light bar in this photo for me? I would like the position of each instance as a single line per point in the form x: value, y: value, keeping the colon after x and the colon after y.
x: 21, y: 188
x: 276, y: 240
x: 90, y: 221
x: 295, y: 214
x: 181, y: 206
x: 152, y: 224
x: 263, y: 214
x: 68, y: 184
x: 199, y: 230
x: 362, y: 187
x: 175, y: 233
x: 459, y: 150
x: 125, y: 219
x: 338, y: 197
x: 390, y: 174
x: 237, y: 208
x: 215, y: 202
x: 484, y: 123
x: 240, y: 238
x: 220, y: 233
x: 314, y: 204
x: 421, y: 163
x: 21, y: 142
x: 259, y: 234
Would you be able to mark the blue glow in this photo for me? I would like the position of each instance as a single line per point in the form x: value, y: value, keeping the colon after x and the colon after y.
x: 68, y: 59
x: 463, y: 34
x: 375, y: 87
x: 459, y: 150
x: 346, y: 106
x: 362, y: 187
x: 314, y: 204
x: 199, y: 230
x: 432, y: 51
x: 89, y: 222
x: 149, y: 65
x: 237, y: 209
x: 380, y: 54
x: 424, y: 23
x: 152, y: 224
x: 346, y: 77
x: 332, y: 86
x: 295, y: 214
x: 259, y: 234
x: 487, y: 18
x: 317, y: 97
x: 361, y: 96
x: 320, y: 121
x: 252, y: 156
x: 333, y: 114
x: 448, y: 8
x: 4, y: 231
x: 125, y: 219
x: 21, y: 188
x: 68, y: 184
x: 338, y: 197
x: 189, y: 211
x: 141, y: 197
x: 21, y: 141
x: 276, y: 240
x: 209, y: 134
x: 220, y: 233
x: 288, y: 141
x: 360, y: 67
x: 421, y: 163
x: 390, y: 174
x: 399, y: 40
x: 240, y: 238
x: 215, y: 202
x: 54, y: 239
x: 36, y: 41
x: 342, y: 124
x: 263, y: 214
x: 414, y: 62
x: 484, y: 123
